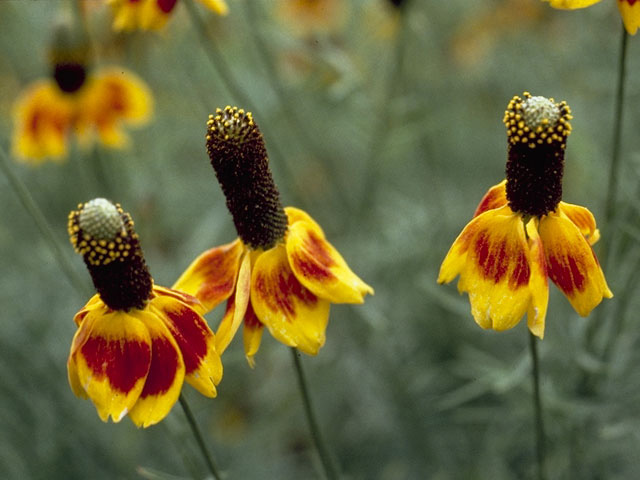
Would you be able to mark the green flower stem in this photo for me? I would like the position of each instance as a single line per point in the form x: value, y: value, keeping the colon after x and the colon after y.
x: 617, y: 131
x: 221, y: 66
x: 330, y: 469
x: 45, y: 229
x: 537, y: 407
x: 199, y: 439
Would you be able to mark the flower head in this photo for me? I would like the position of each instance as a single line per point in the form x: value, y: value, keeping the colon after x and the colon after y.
x: 76, y: 100
x: 281, y: 272
x: 629, y: 10
x: 523, y: 233
x: 152, y: 14
x: 136, y: 342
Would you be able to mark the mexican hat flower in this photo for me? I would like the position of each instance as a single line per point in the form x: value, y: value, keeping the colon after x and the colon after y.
x: 629, y: 10
x: 76, y: 101
x: 281, y: 272
x: 136, y: 342
x: 152, y: 14
x: 523, y: 233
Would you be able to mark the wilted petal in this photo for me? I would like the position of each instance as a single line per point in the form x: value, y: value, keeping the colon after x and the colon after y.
x: 495, y: 197
x: 212, y: 276
x: 165, y: 378
x: 252, y: 335
x: 572, y: 265
x: 582, y: 218
x: 320, y: 268
x: 493, y: 257
x: 203, y: 368
x: 293, y: 314
x: 111, y: 356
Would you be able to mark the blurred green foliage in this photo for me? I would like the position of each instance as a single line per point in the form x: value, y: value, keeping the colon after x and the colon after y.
x: 388, y: 131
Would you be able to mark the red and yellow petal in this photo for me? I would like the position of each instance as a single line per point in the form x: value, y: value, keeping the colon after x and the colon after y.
x: 572, y: 264
x: 630, y: 12
x: 319, y: 267
x: 110, y: 359
x: 495, y: 197
x: 236, y: 307
x: 196, y: 341
x: 154, y: 14
x: 571, y: 4
x: 252, y: 335
x: 297, y: 215
x: 211, y: 277
x: 292, y: 313
x: 493, y: 257
x: 43, y: 117
x: 165, y: 378
x: 582, y: 218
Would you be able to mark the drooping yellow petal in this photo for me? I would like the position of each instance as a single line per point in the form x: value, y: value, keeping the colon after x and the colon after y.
x: 164, y: 381
x: 252, y: 335
x: 112, y: 356
x: 538, y: 283
x: 293, y: 314
x: 154, y: 14
x: 126, y: 14
x: 572, y: 264
x: 211, y: 277
x: 319, y: 267
x: 630, y: 11
x: 493, y: 258
x: 236, y: 307
x: 571, y: 4
x: 196, y: 341
x: 495, y: 197
x: 582, y: 218
x: 43, y: 117
x: 218, y: 6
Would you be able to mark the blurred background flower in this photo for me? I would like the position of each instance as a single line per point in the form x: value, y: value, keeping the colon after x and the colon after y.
x: 131, y: 15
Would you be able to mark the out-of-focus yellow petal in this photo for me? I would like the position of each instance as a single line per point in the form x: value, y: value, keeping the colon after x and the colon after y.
x: 196, y: 341
x: 582, y: 218
x: 571, y: 4
x: 572, y: 264
x: 211, y: 277
x: 495, y: 197
x: 493, y: 257
x: 630, y: 11
x: 112, y: 361
x: 319, y: 267
x: 251, y: 335
x: 538, y: 283
x: 126, y: 14
x: 236, y: 307
x: 155, y: 13
x: 43, y: 116
x: 166, y: 374
x: 115, y: 97
x: 293, y: 314
x: 218, y: 6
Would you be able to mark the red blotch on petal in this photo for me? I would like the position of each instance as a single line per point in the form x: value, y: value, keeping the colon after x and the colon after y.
x: 164, y: 365
x: 122, y: 362
x: 566, y: 276
x: 166, y: 5
x: 521, y: 272
x: 278, y: 291
x: 190, y: 332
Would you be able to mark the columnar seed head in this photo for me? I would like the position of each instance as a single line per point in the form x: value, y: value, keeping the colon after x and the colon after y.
x: 103, y: 234
x: 70, y: 53
x: 239, y: 157
x: 537, y: 130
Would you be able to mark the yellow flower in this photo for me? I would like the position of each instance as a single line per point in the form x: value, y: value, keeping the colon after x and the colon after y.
x: 152, y: 14
x: 49, y: 111
x: 523, y: 233
x: 629, y: 10
x: 136, y: 342
x: 281, y: 272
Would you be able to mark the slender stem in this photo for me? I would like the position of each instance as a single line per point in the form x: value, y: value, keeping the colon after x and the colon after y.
x: 198, y: 436
x: 221, y: 66
x: 537, y: 406
x: 330, y: 470
x: 612, y: 188
x: 45, y: 229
